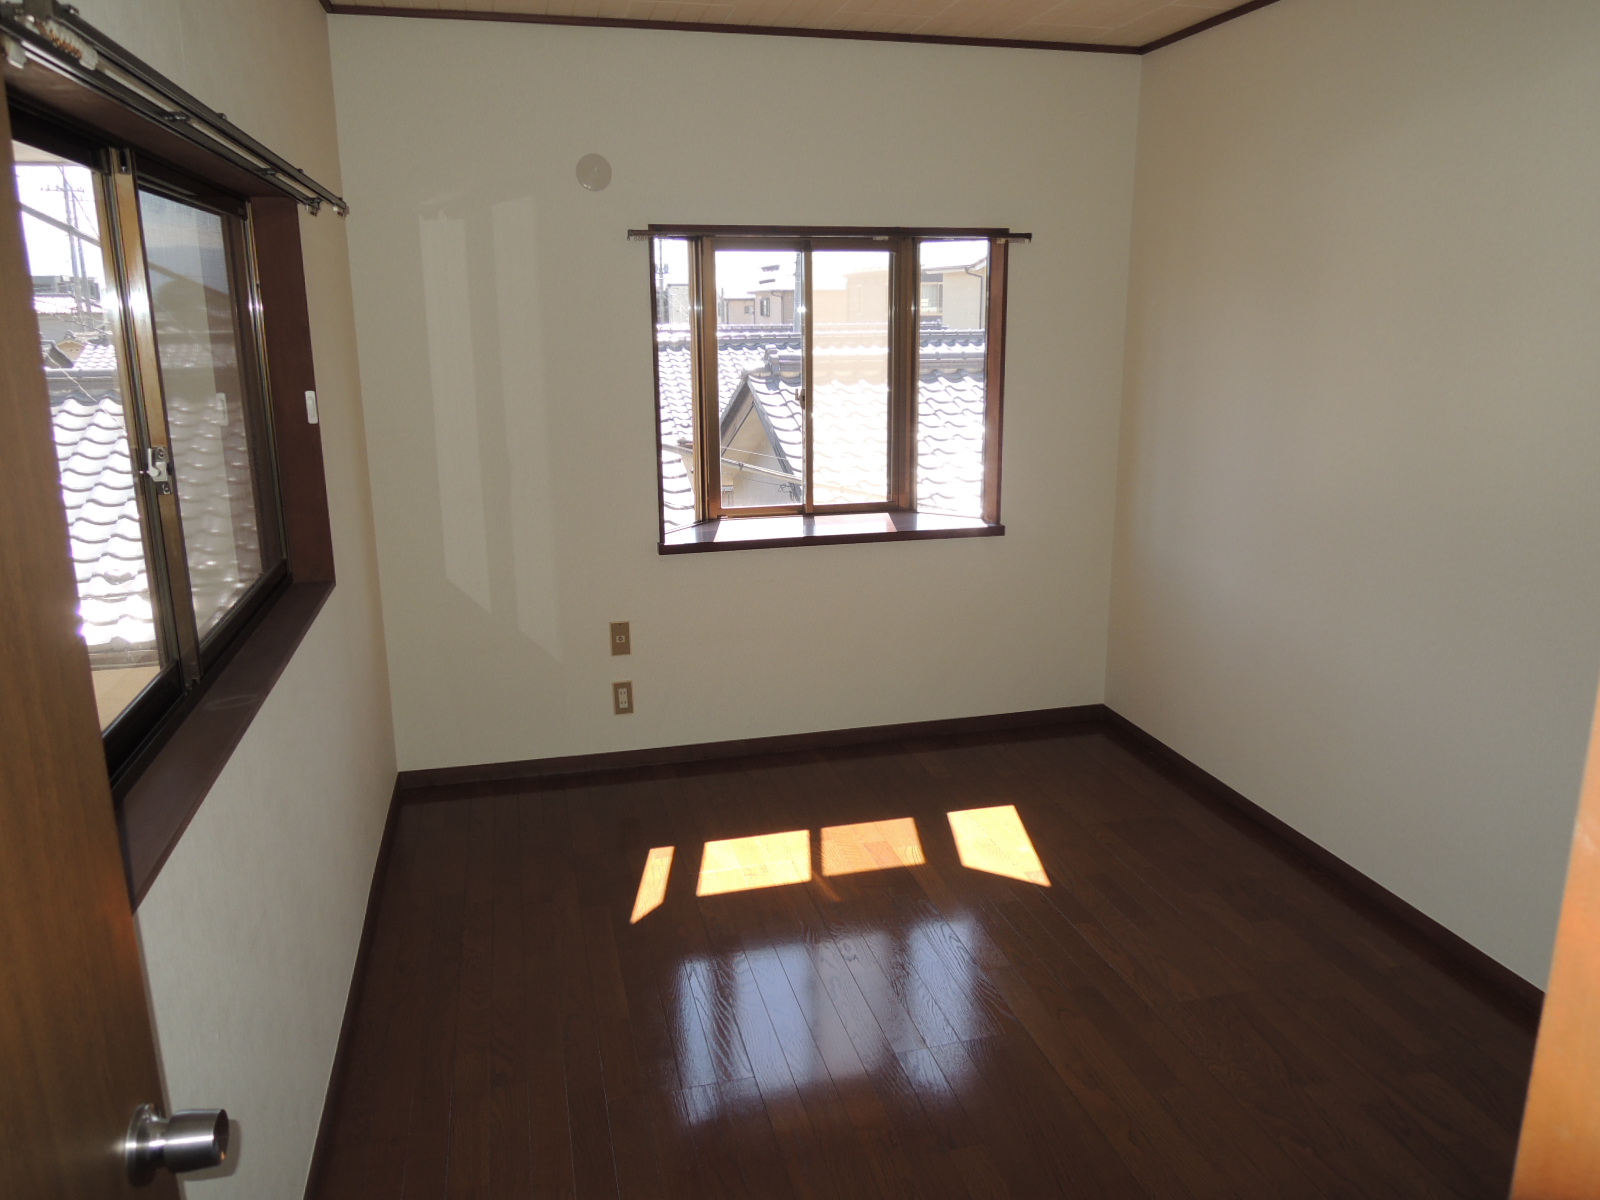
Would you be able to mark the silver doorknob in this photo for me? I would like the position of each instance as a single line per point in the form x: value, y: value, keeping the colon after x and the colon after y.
x: 191, y: 1140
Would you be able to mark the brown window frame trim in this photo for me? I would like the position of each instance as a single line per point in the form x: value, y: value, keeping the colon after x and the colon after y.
x: 159, y: 792
x: 870, y: 232
x: 822, y: 529
x: 202, y: 731
x: 830, y: 524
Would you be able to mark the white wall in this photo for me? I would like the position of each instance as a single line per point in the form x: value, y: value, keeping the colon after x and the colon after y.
x: 250, y: 931
x: 1357, y: 538
x: 513, y: 458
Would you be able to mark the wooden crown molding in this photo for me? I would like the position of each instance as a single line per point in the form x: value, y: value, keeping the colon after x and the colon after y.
x: 444, y: 14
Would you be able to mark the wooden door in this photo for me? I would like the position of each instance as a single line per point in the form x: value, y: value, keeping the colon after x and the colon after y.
x: 77, y: 1056
x: 1558, y: 1157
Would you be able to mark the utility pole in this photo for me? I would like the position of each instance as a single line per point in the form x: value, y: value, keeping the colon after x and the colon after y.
x: 79, y: 267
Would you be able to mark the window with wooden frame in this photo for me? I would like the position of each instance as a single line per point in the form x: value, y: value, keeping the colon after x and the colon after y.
x: 175, y: 380
x: 827, y: 385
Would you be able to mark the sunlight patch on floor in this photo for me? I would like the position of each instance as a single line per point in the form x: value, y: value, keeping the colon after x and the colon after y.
x: 994, y: 840
x: 871, y: 846
x: 652, y: 884
x: 986, y: 839
x: 766, y: 860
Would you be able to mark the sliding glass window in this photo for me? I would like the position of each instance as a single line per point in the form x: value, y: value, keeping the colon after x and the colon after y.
x: 832, y: 373
x: 144, y: 294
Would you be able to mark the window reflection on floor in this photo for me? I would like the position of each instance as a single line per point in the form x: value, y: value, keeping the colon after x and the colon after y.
x: 993, y: 840
x: 774, y: 1010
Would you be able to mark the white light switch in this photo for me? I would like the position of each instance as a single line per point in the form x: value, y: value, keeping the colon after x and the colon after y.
x: 311, y: 408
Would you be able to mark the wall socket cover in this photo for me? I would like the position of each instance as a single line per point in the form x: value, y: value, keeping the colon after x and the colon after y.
x: 622, y: 698
x: 621, y: 639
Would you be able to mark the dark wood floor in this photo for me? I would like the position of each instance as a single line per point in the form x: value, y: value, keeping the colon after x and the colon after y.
x: 1180, y: 1012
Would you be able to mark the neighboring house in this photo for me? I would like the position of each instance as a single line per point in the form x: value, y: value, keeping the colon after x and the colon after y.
x: 672, y: 303
x: 761, y: 423
x: 61, y: 314
x: 758, y: 306
x: 954, y: 296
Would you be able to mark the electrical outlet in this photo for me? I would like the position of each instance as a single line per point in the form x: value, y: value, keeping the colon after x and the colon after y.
x: 621, y: 640
x: 622, y: 698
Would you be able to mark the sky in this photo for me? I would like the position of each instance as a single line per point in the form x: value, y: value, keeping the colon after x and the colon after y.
x: 48, y: 252
x: 179, y: 239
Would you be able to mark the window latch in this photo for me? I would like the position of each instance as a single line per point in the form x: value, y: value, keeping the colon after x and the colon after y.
x: 159, y: 468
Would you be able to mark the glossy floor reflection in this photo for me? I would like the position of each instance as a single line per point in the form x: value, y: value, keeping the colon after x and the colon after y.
x: 916, y: 978
x: 1023, y: 968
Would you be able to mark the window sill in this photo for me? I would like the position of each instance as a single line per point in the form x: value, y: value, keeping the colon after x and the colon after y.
x: 155, y: 807
x: 832, y: 529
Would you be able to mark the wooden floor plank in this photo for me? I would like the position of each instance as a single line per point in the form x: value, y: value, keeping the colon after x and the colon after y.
x: 362, y: 1160
x: 425, y: 1151
x: 470, y: 1083
x: 593, y: 1145
x: 550, y: 1134
x: 511, y: 1039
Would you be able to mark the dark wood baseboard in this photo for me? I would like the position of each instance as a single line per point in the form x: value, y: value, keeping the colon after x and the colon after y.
x: 1501, y: 986
x: 416, y: 785
x: 352, y: 1005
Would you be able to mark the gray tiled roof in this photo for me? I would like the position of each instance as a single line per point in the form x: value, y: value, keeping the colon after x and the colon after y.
x: 97, y: 487
x: 99, y: 493
x: 850, y: 416
x: 220, y: 535
x: 744, y: 348
x: 676, y: 394
x: 950, y: 438
x: 97, y: 358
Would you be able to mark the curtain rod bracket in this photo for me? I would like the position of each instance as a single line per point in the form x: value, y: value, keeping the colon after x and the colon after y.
x: 54, y: 36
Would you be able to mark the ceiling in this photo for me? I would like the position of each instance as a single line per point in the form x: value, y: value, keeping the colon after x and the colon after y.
x: 1108, y: 23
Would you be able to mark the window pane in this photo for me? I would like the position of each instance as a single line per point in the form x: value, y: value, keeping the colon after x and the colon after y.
x: 75, y: 307
x: 760, y: 328
x: 850, y: 376
x: 193, y: 300
x: 675, y: 381
x: 950, y: 376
